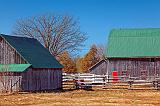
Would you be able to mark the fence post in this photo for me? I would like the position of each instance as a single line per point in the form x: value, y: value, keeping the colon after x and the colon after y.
x: 108, y: 78
x: 11, y: 86
x: 130, y: 82
x: 156, y: 85
x: 19, y: 85
x: 104, y: 82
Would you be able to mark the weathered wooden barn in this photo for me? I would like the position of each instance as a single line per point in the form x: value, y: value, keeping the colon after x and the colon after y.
x: 99, y: 68
x: 132, y: 53
x: 27, y: 66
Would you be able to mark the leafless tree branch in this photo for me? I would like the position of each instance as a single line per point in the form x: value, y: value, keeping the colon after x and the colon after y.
x: 58, y: 33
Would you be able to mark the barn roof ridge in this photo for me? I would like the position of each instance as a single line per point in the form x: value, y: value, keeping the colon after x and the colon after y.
x: 32, y: 51
x: 17, y: 36
x: 135, y: 32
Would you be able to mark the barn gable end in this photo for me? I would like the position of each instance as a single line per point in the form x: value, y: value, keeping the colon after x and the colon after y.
x: 33, y: 52
x: 8, y: 54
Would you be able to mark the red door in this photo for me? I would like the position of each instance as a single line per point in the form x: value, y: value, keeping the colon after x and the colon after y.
x: 115, y: 76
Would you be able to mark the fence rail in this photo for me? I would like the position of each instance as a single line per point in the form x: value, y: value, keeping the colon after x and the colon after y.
x: 87, y: 80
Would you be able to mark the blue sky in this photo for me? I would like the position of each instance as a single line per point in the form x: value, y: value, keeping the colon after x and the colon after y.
x: 96, y: 17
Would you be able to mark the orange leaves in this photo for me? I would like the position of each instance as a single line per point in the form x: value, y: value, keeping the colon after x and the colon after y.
x: 68, y: 63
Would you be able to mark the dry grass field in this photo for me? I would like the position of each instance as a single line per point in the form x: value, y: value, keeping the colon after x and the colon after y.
x: 95, y: 97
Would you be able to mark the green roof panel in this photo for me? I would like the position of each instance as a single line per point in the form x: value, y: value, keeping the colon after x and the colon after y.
x: 14, y: 67
x: 33, y: 52
x: 134, y: 43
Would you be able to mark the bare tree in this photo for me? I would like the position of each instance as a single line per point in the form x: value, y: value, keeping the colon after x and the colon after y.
x: 58, y: 33
x: 101, y: 51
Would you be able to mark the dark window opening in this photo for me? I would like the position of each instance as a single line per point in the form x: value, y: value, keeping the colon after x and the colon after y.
x: 124, y: 73
x: 143, y: 72
x: 152, y: 60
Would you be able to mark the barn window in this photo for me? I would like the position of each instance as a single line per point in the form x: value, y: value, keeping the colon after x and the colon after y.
x: 157, y: 68
x: 143, y: 73
x: 152, y: 60
x: 157, y: 72
x: 124, y: 66
x: 124, y: 73
x: 143, y: 65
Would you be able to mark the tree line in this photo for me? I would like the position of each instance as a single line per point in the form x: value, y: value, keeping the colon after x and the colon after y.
x: 81, y: 64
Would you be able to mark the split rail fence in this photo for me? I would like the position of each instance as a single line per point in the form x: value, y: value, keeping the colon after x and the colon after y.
x: 87, y: 80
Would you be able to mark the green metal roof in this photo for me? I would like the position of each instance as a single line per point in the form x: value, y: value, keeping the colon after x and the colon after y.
x: 14, y: 67
x: 33, y: 52
x: 134, y: 43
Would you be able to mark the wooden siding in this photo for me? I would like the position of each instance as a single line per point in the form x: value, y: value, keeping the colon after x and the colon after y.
x: 100, y: 68
x: 12, y: 83
x: 32, y: 80
x: 41, y: 79
x: 9, y: 55
x: 135, y: 68
x: 130, y: 68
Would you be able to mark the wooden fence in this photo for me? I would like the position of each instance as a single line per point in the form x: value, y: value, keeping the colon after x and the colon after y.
x: 87, y: 80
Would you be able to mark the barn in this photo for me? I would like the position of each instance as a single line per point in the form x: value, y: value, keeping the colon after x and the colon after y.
x: 25, y: 65
x: 132, y: 53
x: 100, y: 68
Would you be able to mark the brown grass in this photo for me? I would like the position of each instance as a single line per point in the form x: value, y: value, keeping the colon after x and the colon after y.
x: 108, y: 97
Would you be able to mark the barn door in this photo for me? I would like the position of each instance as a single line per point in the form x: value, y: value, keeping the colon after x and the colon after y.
x: 115, y: 76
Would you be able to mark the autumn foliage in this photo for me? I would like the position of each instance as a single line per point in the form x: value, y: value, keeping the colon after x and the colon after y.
x: 80, y: 64
x: 68, y: 63
x: 91, y: 58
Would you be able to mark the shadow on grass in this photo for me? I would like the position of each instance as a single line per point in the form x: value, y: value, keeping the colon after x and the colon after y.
x: 136, y: 89
x: 85, y: 89
x: 55, y: 91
